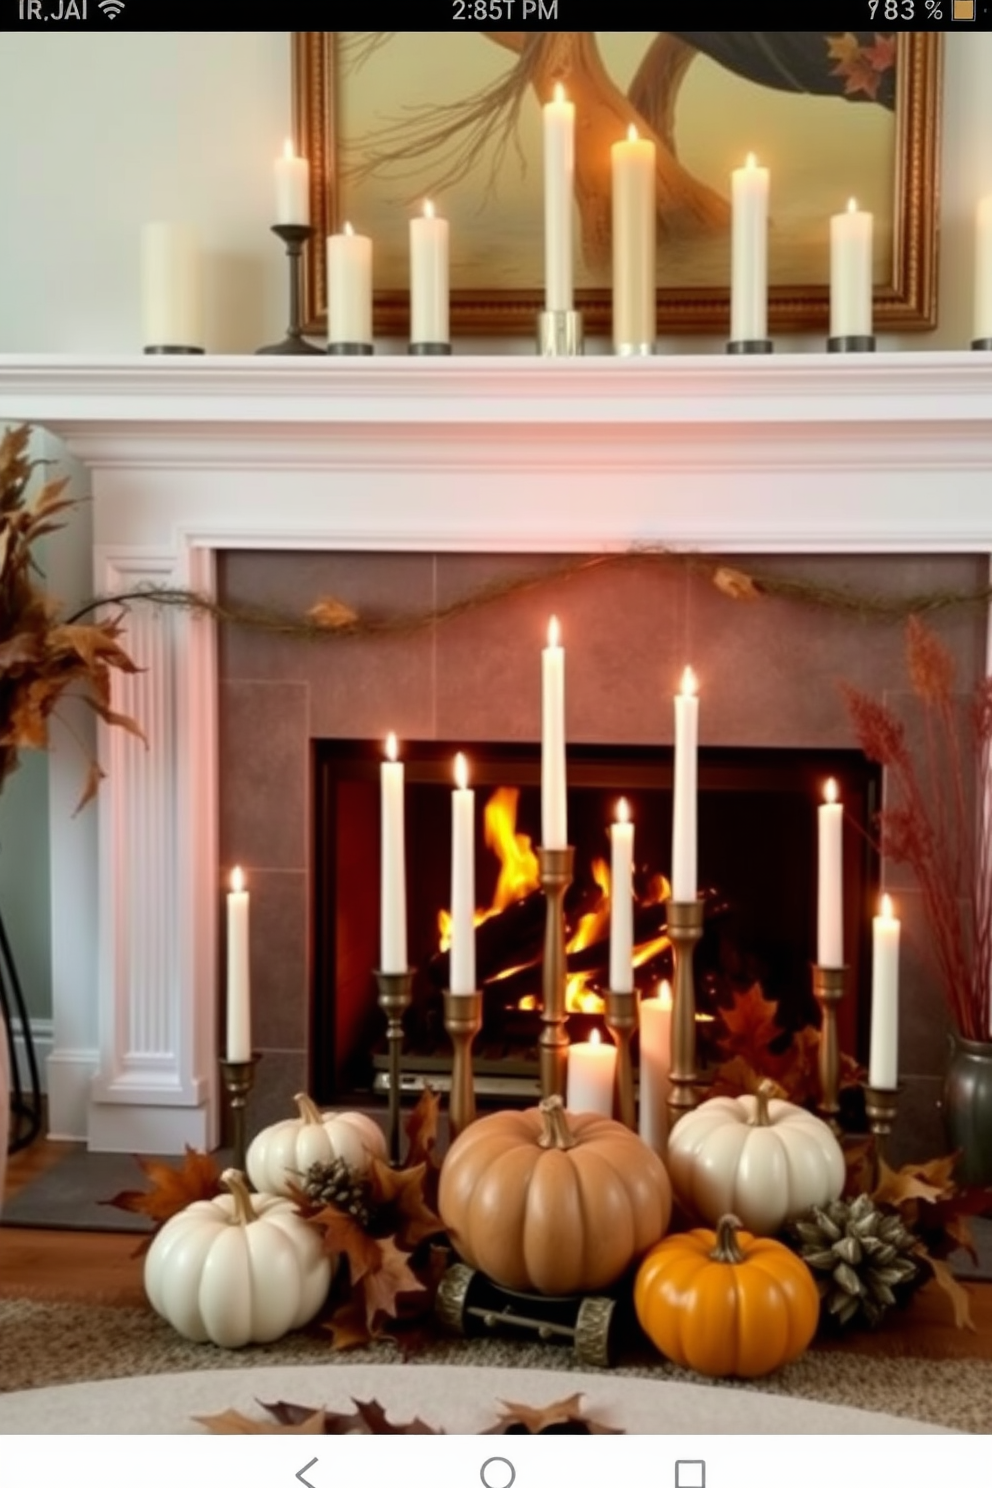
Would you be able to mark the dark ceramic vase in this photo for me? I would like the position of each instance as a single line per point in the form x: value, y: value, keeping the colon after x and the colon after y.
x: 968, y: 1108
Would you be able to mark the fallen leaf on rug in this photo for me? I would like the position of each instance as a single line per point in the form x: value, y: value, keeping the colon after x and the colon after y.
x: 234, y: 1423
x: 172, y: 1189
x: 562, y: 1417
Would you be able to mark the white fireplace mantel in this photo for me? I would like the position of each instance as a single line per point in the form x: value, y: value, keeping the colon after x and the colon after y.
x: 188, y: 456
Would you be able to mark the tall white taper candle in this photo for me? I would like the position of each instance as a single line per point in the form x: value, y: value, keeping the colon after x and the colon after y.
x: 238, y: 973
x: 392, y: 939
x: 462, y: 969
x: 559, y: 185
x: 883, y: 1064
x: 850, y: 272
x: 830, y: 880
x: 684, y: 805
x: 349, y: 288
x: 429, y: 296
x: 749, y: 252
x: 554, y: 813
x: 622, y: 901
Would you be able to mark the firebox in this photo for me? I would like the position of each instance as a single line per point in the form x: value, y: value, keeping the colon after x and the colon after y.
x: 757, y: 872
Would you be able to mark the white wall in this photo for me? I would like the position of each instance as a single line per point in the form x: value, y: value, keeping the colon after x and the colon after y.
x: 103, y: 132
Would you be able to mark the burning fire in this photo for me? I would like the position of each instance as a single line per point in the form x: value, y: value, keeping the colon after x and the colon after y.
x: 519, y: 875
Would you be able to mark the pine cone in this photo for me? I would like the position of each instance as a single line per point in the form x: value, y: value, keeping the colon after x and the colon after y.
x: 336, y: 1183
x: 860, y: 1256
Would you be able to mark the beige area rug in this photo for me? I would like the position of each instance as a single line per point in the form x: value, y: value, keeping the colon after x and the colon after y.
x: 45, y: 1343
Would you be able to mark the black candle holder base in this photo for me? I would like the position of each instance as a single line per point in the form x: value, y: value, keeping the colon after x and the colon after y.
x: 349, y: 348
x: 294, y: 235
x: 429, y: 348
x: 173, y: 351
x: 982, y: 343
x: 851, y: 343
x: 758, y: 347
x: 292, y: 346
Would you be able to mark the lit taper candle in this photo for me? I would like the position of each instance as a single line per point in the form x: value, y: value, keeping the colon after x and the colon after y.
x: 238, y: 975
x: 830, y: 880
x: 635, y: 316
x: 622, y: 901
x: 684, y: 804
x: 392, y: 939
x: 292, y: 189
x: 883, y: 1065
x: 749, y: 253
x: 429, y: 296
x: 559, y: 185
x: 462, y: 967
x: 554, y: 813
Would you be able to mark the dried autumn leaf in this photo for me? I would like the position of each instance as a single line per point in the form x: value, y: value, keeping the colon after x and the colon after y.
x: 854, y: 65
x: 383, y: 1287
x: 348, y: 1325
x: 422, y: 1128
x: 234, y: 1423
x: 403, y: 1189
x: 750, y: 1025
x: 560, y: 1415
x: 172, y: 1189
x: 332, y: 614
x: 951, y: 1287
x: 796, y: 1069
x: 372, y: 1414
x: 736, y: 1077
x: 735, y: 584
x: 343, y: 1235
x: 859, y: 1161
x: 926, y: 1181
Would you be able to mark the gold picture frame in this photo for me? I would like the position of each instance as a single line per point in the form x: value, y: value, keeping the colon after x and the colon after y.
x: 906, y: 300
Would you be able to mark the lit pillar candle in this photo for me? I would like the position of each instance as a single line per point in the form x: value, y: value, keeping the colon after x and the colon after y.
x: 292, y: 189
x: 749, y: 253
x: 983, y: 270
x: 684, y: 804
x: 883, y: 1064
x: 171, y: 286
x: 238, y: 977
x: 392, y: 940
x: 830, y: 880
x: 462, y: 969
x: 850, y: 272
x: 559, y: 178
x: 634, y: 240
x: 622, y: 901
x: 655, y: 1025
x: 592, y: 1070
x: 554, y: 813
x: 429, y: 277
x: 349, y: 288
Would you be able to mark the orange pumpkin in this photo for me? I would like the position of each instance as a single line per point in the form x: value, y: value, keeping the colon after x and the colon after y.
x: 552, y: 1201
x: 725, y: 1303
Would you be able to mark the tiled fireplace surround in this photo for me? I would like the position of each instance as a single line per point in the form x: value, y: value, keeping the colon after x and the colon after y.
x: 397, y: 487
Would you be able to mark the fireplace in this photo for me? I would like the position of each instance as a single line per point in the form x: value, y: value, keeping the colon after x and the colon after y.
x: 757, y: 861
x: 227, y: 474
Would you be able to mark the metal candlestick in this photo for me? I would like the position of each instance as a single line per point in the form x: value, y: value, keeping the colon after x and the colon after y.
x: 294, y: 236
x: 828, y: 989
x: 880, y: 1107
x: 559, y: 333
x: 982, y: 343
x: 758, y: 346
x: 556, y: 864
x: 851, y: 343
x: 685, y: 929
x: 239, y: 1077
x: 429, y: 348
x: 621, y: 1020
x: 395, y: 996
x: 462, y: 1020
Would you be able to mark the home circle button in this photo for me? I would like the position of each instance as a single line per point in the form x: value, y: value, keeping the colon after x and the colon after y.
x: 497, y: 1472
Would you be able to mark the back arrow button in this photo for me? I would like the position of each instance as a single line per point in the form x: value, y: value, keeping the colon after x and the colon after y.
x: 306, y: 1468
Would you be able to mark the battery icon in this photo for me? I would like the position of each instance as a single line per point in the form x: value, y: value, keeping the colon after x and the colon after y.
x: 962, y: 10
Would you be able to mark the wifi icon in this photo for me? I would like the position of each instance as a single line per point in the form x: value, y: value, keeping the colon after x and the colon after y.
x: 111, y: 8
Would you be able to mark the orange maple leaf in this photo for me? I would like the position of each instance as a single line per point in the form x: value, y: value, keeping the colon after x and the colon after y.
x: 404, y: 1189
x: 393, y: 1278
x: 750, y: 1025
x: 421, y: 1128
x: 343, y: 1235
x: 173, y: 1189
x: 854, y: 65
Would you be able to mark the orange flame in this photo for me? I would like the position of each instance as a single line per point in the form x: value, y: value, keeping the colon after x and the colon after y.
x: 519, y: 873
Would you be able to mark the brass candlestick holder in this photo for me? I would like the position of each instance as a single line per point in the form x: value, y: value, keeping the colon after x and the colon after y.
x: 621, y: 1020
x: 880, y: 1107
x: 462, y: 1020
x: 685, y: 929
x: 556, y: 865
x: 828, y: 989
x: 239, y: 1077
x: 395, y: 996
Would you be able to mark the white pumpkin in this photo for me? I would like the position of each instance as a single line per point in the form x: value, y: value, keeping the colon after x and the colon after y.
x: 761, y: 1159
x: 241, y: 1268
x: 281, y: 1154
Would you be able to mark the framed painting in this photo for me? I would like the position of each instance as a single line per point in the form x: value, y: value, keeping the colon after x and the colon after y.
x: 388, y: 119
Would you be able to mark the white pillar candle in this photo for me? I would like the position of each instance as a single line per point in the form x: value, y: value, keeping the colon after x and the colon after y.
x: 559, y: 183
x: 461, y: 976
x: 749, y: 253
x: 850, y: 272
x: 684, y: 804
x: 635, y: 317
x: 392, y: 939
x: 349, y: 288
x: 429, y: 308
x: 238, y: 975
x: 592, y: 1070
x: 554, y: 813
x: 622, y: 901
x: 983, y: 270
x: 830, y: 880
x: 883, y: 1064
x: 655, y: 1035
x: 292, y: 189
x: 171, y: 286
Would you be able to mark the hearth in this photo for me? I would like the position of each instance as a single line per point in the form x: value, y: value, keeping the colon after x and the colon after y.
x: 757, y: 813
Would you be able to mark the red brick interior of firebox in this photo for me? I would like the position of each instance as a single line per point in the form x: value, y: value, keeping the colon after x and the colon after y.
x: 757, y: 856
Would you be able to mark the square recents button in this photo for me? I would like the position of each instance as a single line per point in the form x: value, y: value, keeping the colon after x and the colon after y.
x: 690, y: 1474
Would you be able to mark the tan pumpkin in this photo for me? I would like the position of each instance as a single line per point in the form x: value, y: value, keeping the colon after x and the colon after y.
x: 552, y: 1201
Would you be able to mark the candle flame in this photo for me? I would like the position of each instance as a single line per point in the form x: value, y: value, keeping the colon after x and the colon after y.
x: 594, y: 1037
x: 623, y: 810
x: 237, y: 880
x: 428, y: 209
x: 559, y: 93
x: 886, y: 909
x: 689, y: 684
x: 461, y: 771
x: 554, y: 631
x: 391, y: 748
x: 852, y: 205
x: 632, y: 132
x: 830, y: 791
x: 348, y: 230
x: 288, y: 152
x: 665, y: 996
x: 751, y: 161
